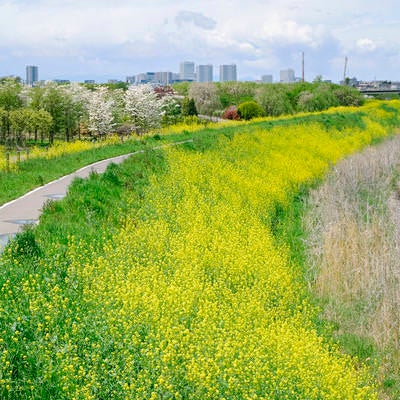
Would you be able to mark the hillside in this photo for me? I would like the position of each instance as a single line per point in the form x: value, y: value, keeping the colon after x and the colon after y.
x: 174, y: 275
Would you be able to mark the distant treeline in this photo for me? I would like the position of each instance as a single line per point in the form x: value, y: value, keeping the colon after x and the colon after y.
x: 276, y: 99
x: 70, y: 111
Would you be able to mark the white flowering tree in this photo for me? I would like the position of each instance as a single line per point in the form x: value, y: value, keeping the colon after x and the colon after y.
x: 100, y: 109
x: 143, y: 107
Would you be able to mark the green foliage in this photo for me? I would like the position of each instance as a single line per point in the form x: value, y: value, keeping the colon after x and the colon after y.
x: 24, y: 244
x: 275, y: 99
x: 10, y: 90
x: 116, y: 86
x: 171, y: 111
x: 181, y: 88
x: 348, y: 96
x: 321, y: 98
x: 188, y: 107
x: 249, y: 110
x: 362, y: 348
x: 234, y: 93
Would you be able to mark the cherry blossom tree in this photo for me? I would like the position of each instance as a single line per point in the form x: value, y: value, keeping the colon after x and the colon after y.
x: 143, y: 107
x: 100, y: 110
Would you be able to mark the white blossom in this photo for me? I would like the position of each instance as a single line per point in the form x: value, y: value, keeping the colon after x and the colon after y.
x: 100, y: 109
x: 143, y: 107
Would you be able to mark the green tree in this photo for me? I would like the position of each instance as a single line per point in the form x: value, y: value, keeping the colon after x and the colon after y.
x: 54, y: 103
x: 20, y: 124
x: 10, y: 91
x: 3, y: 124
x: 188, y: 107
x: 10, y: 99
x: 234, y: 93
x: 171, y: 110
x: 275, y: 99
x: 182, y: 88
x: 41, y: 124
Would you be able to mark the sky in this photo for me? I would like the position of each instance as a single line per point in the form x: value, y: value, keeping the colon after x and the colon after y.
x: 112, y: 39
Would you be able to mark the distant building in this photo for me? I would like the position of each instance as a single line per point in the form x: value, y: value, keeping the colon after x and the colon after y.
x: 186, y: 71
x: 266, y: 79
x: 62, y: 81
x: 32, y: 74
x: 130, y: 80
x: 163, y: 78
x: 146, y: 77
x: 204, y: 73
x: 89, y: 81
x: 227, y: 73
x: 287, y: 76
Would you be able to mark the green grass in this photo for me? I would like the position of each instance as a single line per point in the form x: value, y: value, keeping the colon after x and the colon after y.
x: 90, y: 214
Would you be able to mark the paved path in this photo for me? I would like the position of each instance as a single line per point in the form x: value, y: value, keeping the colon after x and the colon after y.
x: 27, y: 208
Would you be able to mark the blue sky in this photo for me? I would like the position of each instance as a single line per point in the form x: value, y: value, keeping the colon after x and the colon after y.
x: 98, y: 39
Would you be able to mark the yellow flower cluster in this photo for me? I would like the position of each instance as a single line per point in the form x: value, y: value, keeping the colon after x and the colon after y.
x: 193, y: 298
x: 58, y: 149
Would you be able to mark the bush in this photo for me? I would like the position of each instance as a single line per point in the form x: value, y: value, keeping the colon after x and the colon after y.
x: 249, y: 110
x: 231, y: 113
x: 321, y: 98
x: 348, y: 96
x: 188, y: 107
x: 275, y: 99
x: 24, y: 244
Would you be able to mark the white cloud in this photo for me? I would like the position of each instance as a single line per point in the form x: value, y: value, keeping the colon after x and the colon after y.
x: 366, y: 45
x: 286, y: 32
x: 198, y: 19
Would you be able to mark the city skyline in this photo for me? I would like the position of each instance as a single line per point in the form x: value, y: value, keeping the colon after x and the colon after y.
x: 97, y: 40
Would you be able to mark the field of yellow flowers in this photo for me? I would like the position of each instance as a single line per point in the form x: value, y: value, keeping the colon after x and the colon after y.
x: 192, y: 296
x: 58, y: 149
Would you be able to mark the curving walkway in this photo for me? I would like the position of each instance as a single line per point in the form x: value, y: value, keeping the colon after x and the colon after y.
x: 27, y: 208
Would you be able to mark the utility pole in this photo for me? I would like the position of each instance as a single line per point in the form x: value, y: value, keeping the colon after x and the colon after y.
x: 345, y: 70
x: 302, y: 67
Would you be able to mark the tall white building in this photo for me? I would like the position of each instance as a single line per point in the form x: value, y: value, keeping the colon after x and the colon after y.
x: 204, y: 73
x: 32, y: 74
x: 287, y: 76
x: 227, y: 73
x: 186, y: 71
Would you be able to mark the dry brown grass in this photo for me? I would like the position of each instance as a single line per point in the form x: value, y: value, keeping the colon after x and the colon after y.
x: 353, y: 227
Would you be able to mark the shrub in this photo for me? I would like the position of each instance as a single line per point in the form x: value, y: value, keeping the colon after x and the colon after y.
x: 188, y: 107
x: 231, y: 113
x: 274, y: 99
x: 249, y: 110
x: 348, y: 96
x: 24, y: 244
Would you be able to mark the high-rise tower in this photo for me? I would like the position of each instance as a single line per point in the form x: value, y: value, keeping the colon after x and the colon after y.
x: 32, y: 74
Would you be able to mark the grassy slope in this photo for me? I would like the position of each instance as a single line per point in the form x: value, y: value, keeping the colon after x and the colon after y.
x: 94, y: 209
x: 36, y: 172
